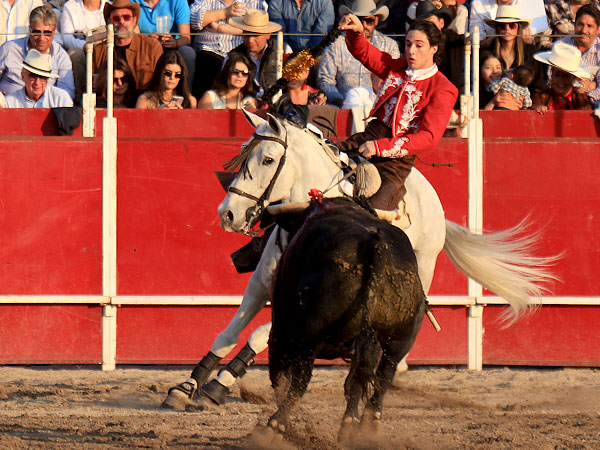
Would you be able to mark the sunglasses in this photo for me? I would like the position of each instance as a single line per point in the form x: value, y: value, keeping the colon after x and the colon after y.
x: 35, y: 76
x: 121, y: 79
x: 121, y: 18
x: 244, y: 73
x: 367, y: 20
x: 169, y: 74
x: 512, y: 26
x: 45, y: 33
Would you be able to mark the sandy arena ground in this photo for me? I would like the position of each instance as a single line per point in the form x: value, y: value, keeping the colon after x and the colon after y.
x: 436, y: 408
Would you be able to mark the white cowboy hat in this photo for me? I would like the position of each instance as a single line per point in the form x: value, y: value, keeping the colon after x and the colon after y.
x: 566, y: 58
x: 507, y: 14
x: 255, y: 21
x: 365, y: 8
x: 39, y: 64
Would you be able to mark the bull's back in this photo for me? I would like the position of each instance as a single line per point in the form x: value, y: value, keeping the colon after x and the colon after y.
x: 345, y: 270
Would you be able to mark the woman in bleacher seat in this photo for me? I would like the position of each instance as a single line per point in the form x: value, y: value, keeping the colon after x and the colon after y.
x: 124, y: 91
x: 232, y: 88
x: 511, y: 49
x: 492, y: 69
x: 169, y: 86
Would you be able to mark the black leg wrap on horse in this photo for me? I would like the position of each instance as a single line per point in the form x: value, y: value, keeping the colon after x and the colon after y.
x: 204, y: 368
x: 215, y: 391
x: 239, y: 365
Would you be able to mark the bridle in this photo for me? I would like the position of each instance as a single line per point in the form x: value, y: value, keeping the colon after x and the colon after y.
x: 253, y: 214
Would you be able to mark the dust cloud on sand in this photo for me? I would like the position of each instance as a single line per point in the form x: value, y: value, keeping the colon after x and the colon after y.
x: 435, y: 408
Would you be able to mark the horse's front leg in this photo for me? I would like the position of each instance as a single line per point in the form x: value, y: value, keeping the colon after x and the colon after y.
x: 255, y: 297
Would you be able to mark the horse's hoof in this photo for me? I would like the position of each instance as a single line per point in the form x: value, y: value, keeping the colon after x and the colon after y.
x: 179, y: 397
x: 200, y: 402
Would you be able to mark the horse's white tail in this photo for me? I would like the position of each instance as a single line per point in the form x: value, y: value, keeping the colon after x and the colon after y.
x: 500, y: 262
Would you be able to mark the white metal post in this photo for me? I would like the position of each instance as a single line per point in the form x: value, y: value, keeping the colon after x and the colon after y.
x: 109, y: 216
x: 466, y: 99
x: 279, y: 65
x: 475, y: 145
x: 89, y: 98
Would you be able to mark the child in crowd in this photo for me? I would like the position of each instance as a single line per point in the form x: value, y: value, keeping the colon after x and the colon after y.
x: 515, y: 83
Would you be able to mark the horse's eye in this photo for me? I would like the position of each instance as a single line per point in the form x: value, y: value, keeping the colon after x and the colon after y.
x: 267, y: 161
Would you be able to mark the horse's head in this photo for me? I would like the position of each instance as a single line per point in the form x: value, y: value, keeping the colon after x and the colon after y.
x: 261, y: 179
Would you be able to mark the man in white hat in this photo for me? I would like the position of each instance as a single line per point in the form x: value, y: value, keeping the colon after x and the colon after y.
x: 339, y: 71
x: 258, y: 46
x: 37, y: 93
x: 567, y: 71
x: 487, y: 9
x: 586, y: 40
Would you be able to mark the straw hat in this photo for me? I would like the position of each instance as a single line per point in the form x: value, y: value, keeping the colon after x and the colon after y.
x: 507, y: 14
x: 255, y: 21
x: 37, y: 63
x: 119, y: 4
x: 365, y: 8
x: 566, y: 58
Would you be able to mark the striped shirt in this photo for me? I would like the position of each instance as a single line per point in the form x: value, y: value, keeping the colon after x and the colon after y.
x: 14, y: 21
x: 219, y: 43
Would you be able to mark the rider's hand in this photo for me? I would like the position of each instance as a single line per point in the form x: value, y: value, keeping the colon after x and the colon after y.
x: 368, y: 149
x: 352, y: 23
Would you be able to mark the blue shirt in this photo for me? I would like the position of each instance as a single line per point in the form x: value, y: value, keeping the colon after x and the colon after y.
x: 53, y: 97
x: 315, y: 17
x: 177, y: 9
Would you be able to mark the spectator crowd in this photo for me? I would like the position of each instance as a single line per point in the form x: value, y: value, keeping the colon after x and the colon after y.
x: 222, y: 54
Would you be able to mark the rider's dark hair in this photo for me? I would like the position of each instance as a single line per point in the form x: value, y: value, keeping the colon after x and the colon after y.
x: 434, y: 36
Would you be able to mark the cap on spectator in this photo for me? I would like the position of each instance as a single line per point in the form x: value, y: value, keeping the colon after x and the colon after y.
x: 255, y: 21
x: 507, y: 14
x: 566, y: 58
x: 120, y: 4
x: 426, y: 9
x: 365, y: 8
x: 36, y: 62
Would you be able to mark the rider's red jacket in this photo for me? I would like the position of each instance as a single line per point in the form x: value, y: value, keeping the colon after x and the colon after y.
x: 416, y: 108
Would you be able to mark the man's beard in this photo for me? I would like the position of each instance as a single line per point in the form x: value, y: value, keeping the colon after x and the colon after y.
x: 123, y: 31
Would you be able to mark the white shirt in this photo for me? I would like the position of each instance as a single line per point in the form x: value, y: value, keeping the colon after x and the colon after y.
x: 53, y: 97
x: 14, y: 22
x: 75, y: 17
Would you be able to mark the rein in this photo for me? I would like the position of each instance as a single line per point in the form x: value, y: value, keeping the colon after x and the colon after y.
x: 253, y: 214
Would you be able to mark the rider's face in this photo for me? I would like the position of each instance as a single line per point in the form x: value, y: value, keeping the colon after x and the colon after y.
x: 419, y: 52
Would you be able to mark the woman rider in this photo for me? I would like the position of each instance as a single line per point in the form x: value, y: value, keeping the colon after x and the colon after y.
x: 411, y: 110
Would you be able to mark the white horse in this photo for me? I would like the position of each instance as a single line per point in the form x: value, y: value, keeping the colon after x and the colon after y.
x: 285, y: 163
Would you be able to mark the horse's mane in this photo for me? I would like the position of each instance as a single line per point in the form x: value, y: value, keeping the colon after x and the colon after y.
x: 241, y: 159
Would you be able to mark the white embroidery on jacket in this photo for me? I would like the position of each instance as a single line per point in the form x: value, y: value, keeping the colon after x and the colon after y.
x: 396, y: 151
x: 409, y: 112
x: 388, y: 111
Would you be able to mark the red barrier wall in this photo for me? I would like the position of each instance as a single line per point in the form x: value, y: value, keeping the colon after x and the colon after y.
x: 169, y: 241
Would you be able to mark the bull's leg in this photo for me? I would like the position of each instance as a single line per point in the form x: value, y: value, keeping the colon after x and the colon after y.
x: 383, y: 379
x: 255, y: 297
x: 301, y: 372
x: 364, y: 362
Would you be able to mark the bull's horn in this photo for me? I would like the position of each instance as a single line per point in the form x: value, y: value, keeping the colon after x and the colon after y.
x: 287, y: 208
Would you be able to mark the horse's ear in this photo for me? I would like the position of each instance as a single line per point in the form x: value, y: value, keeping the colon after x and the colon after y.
x: 254, y: 120
x: 275, y: 125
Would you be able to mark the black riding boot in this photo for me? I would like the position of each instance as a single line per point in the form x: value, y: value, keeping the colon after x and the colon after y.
x: 237, y: 367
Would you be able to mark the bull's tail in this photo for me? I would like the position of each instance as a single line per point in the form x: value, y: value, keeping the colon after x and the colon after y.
x: 502, y: 262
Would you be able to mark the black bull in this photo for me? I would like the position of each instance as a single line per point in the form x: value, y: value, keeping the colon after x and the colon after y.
x: 346, y: 286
